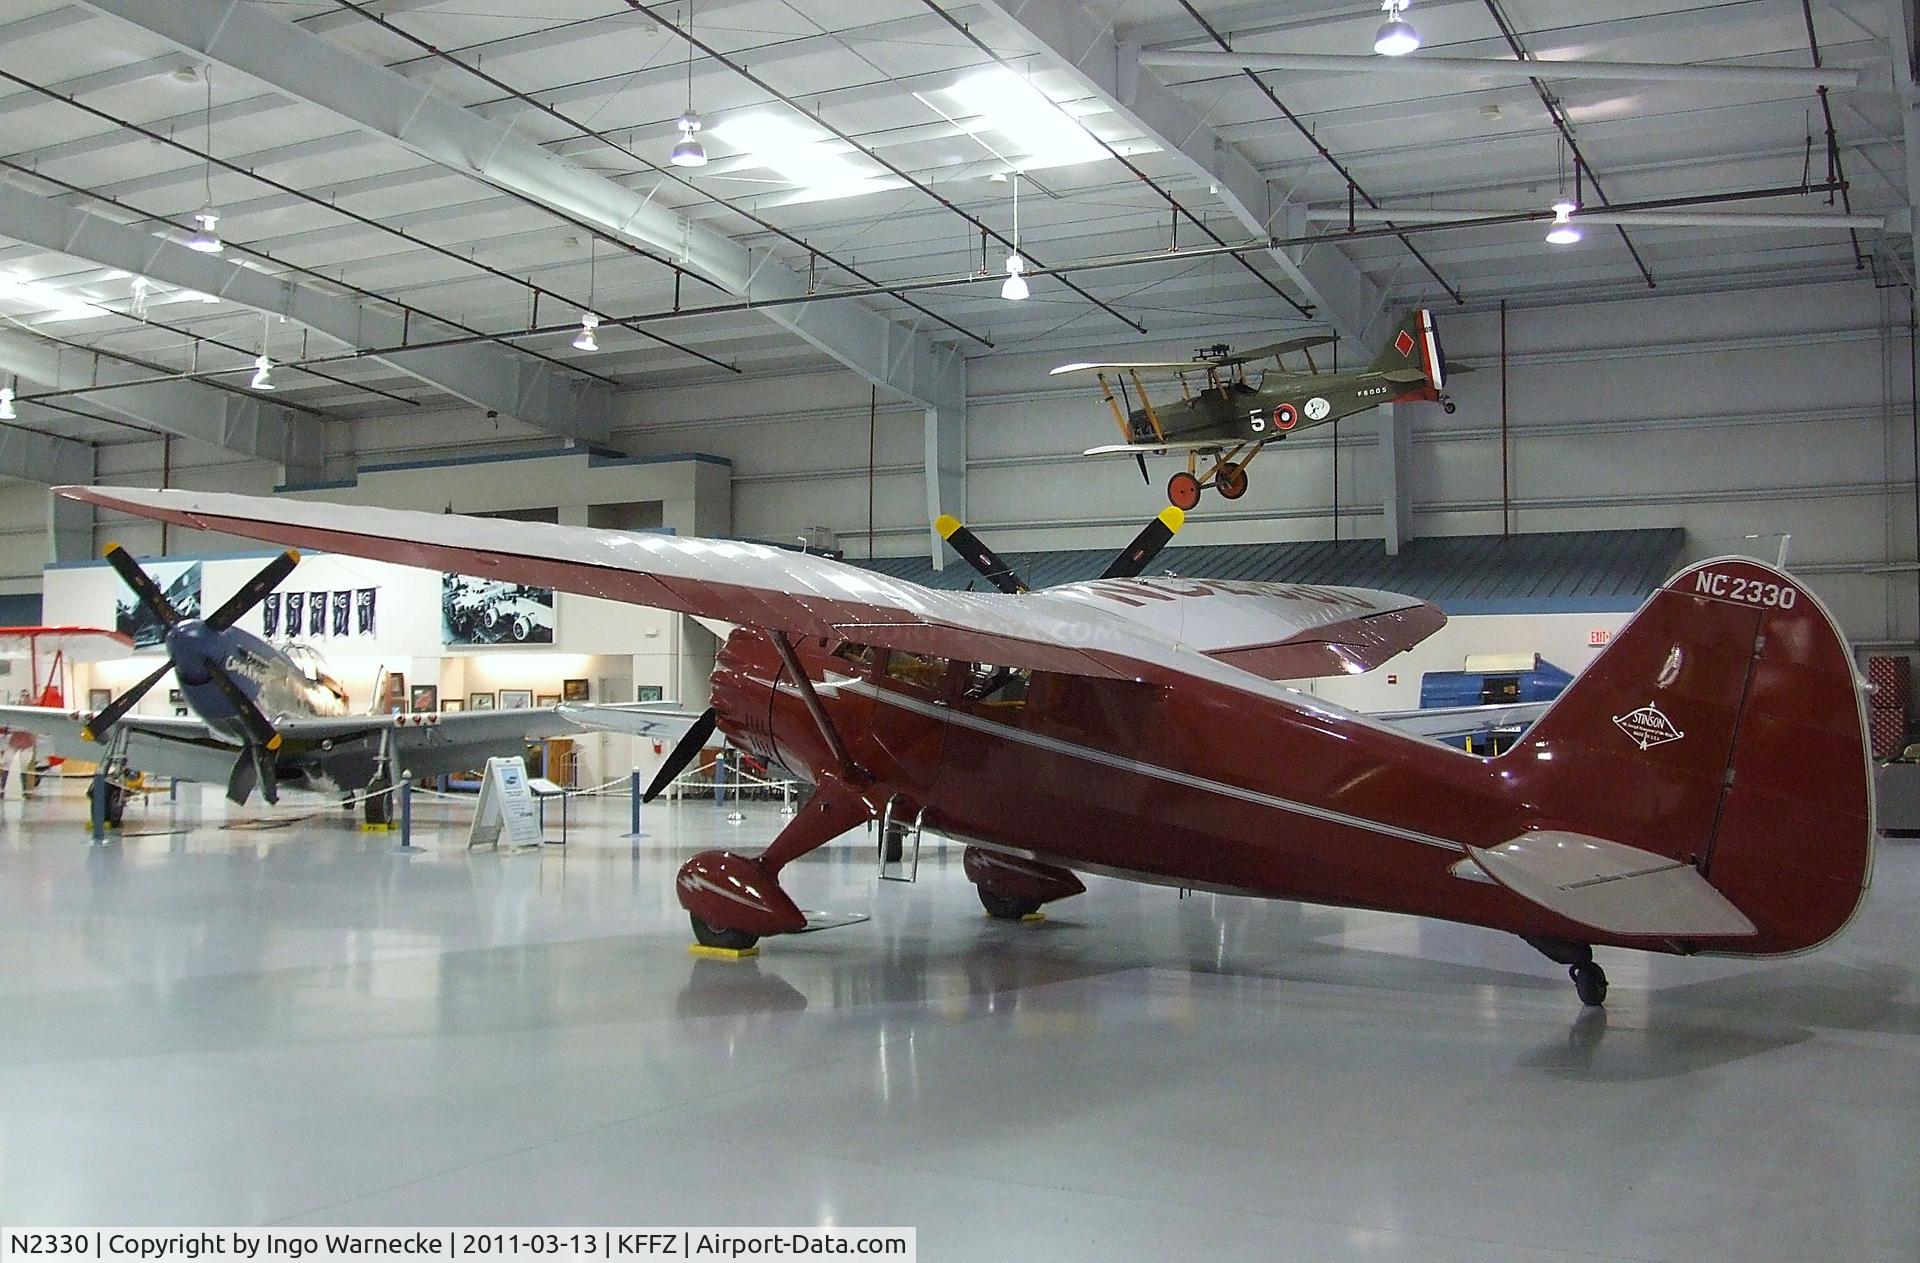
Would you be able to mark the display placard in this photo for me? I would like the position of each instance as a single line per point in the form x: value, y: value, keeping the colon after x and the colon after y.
x: 506, y: 801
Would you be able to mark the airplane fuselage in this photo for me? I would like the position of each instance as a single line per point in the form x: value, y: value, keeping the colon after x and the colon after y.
x: 1182, y: 781
x: 1283, y: 403
x: 269, y: 678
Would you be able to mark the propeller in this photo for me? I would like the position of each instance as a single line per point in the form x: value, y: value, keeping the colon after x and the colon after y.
x: 978, y: 555
x: 1146, y: 545
x: 254, y: 766
x: 689, y: 745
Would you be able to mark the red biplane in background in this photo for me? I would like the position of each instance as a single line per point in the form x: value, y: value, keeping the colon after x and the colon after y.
x: 49, y: 652
x: 1704, y: 786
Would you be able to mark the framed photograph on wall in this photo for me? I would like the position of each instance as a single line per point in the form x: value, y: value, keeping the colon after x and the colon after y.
x: 649, y: 693
x: 452, y: 705
x: 516, y: 699
x: 547, y: 699
x: 480, y: 701
x: 574, y: 690
x: 100, y: 699
x: 424, y: 697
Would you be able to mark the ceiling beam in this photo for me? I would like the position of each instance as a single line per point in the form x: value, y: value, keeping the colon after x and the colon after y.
x: 43, y: 458
x: 313, y: 70
x: 1085, y: 45
x: 219, y: 418
x: 1505, y: 68
x: 486, y: 375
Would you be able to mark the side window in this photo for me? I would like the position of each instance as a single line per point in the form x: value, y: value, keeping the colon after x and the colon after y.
x: 857, y: 657
x: 919, y: 670
x: 988, y: 685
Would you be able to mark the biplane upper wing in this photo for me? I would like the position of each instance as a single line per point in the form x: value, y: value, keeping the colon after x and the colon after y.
x: 1278, y: 349
x: 1160, y: 445
x: 1157, y: 366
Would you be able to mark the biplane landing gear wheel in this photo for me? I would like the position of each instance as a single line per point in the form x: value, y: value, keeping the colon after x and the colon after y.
x: 1231, y: 481
x: 1183, y: 491
x: 1447, y: 407
x: 1589, y: 983
x: 713, y: 936
x: 1006, y: 907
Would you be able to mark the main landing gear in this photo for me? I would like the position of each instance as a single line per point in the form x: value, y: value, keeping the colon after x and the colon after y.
x: 1228, y: 476
x: 1589, y: 980
x: 1013, y: 888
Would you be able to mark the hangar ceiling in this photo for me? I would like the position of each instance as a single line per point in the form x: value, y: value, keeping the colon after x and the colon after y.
x: 420, y: 198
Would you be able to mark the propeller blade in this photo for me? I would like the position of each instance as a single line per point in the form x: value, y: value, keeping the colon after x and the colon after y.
x: 978, y: 555
x: 254, y: 590
x: 263, y: 770
x: 1140, y: 458
x: 691, y: 744
x: 240, y: 782
x: 259, y: 728
x: 1147, y: 544
x: 145, y: 590
x: 110, y: 714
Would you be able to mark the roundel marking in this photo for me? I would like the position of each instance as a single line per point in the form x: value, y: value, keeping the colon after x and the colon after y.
x: 1284, y: 416
x: 1318, y: 408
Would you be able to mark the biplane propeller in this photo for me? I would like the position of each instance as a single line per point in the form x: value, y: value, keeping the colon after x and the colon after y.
x: 1228, y: 420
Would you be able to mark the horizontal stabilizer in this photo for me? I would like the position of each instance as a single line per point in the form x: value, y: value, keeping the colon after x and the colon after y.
x: 1612, y: 887
x: 1405, y: 376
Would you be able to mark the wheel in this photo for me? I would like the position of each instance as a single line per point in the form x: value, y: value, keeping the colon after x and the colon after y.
x: 1183, y: 491
x: 378, y: 806
x: 1589, y: 983
x: 116, y: 803
x: 1231, y: 481
x: 713, y: 936
x: 1005, y: 907
x: 522, y: 629
x: 894, y: 846
x: 1447, y: 407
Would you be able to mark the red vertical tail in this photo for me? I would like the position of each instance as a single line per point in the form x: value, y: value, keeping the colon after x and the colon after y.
x: 1723, y: 728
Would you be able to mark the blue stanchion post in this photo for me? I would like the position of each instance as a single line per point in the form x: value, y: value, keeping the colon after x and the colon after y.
x: 405, y: 791
x: 97, y: 804
x: 633, y: 809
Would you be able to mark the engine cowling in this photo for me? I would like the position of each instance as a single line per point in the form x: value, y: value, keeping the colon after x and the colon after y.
x: 1017, y: 878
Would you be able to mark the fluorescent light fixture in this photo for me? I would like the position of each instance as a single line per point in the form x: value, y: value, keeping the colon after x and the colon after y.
x: 815, y: 162
x: 6, y: 404
x: 262, y: 373
x: 688, y: 151
x: 1564, y: 231
x: 205, y: 239
x: 1045, y: 135
x: 1396, y: 38
x: 584, y: 340
x: 1015, y: 287
x: 57, y: 304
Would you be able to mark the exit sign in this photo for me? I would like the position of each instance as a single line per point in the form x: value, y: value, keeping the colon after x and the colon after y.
x: 1598, y: 637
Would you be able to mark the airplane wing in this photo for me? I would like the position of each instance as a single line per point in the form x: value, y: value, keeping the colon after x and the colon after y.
x: 159, y: 745
x: 1278, y: 349
x: 1159, y: 445
x: 79, y: 644
x: 1166, y: 366
x: 1458, y: 721
x: 751, y: 584
x: 639, y: 719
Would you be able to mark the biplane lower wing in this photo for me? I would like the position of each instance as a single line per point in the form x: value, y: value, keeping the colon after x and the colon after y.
x: 1152, y: 447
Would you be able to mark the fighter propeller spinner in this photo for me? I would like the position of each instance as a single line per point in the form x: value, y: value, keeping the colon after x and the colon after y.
x: 1229, y: 420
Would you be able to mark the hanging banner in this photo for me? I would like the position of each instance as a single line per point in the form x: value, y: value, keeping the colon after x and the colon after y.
x: 296, y: 614
x: 270, y: 615
x: 316, y: 613
x: 342, y: 611
x: 363, y: 606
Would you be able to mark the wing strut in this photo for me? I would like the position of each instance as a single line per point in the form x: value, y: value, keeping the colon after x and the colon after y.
x: 851, y: 771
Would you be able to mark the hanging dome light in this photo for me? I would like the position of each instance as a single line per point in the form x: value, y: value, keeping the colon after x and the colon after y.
x: 1015, y: 287
x: 1396, y: 37
x: 584, y: 340
x: 1564, y: 231
x: 262, y: 373
x: 205, y: 239
x: 688, y: 151
x: 6, y: 404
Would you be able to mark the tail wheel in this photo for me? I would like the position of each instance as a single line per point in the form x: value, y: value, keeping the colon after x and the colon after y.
x: 1006, y: 907
x: 1231, y: 481
x: 1183, y: 491
x: 713, y: 936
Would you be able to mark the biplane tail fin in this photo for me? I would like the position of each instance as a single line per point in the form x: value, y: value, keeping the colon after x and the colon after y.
x: 1414, y: 346
x: 1706, y: 780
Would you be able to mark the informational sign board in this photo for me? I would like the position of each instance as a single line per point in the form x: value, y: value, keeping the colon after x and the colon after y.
x: 506, y: 802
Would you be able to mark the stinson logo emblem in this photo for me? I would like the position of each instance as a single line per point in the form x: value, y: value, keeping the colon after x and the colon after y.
x: 1647, y: 727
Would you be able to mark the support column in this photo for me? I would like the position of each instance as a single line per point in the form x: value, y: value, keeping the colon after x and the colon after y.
x: 1396, y: 475
x: 946, y: 471
x: 69, y: 529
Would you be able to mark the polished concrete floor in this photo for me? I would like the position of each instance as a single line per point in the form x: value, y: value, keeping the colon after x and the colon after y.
x: 208, y: 1020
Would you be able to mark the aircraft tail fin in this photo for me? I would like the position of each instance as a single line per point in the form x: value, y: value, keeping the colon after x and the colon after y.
x: 1710, y: 768
x: 1414, y: 345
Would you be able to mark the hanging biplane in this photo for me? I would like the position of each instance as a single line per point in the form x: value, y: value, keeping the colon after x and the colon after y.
x: 1227, y: 419
x: 1703, y: 786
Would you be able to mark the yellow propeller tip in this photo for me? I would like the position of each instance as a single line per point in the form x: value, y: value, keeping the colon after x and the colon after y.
x: 86, y: 734
x: 113, y: 546
x: 946, y: 524
x: 293, y: 554
x: 275, y: 743
x: 1173, y: 517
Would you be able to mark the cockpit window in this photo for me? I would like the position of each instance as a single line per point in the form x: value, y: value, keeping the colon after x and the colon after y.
x: 860, y: 656
x: 996, y: 686
x: 918, y: 669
